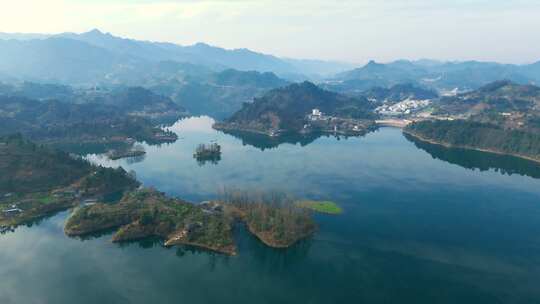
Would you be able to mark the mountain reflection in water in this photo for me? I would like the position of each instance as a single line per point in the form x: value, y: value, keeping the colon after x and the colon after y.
x: 478, y: 160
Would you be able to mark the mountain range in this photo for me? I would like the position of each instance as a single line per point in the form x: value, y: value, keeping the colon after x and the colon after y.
x: 444, y: 77
x: 103, y: 57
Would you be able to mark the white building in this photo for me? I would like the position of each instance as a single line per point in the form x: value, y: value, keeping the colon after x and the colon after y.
x: 316, y: 114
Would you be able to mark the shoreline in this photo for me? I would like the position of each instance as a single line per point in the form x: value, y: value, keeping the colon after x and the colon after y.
x: 260, y: 236
x: 434, y: 142
x: 226, y: 251
x: 226, y: 127
x: 393, y: 123
x: 279, y: 133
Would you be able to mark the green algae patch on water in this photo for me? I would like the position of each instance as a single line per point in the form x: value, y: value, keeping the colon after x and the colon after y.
x: 327, y: 207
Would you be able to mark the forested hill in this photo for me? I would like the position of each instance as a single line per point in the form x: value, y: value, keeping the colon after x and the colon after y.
x: 25, y: 166
x: 127, y: 100
x: 36, y: 181
x: 479, y: 136
x: 499, y: 96
x: 286, y: 108
x: 217, y: 94
x: 501, y: 117
x: 56, y: 121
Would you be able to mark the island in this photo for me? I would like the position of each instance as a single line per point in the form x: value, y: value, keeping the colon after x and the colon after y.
x: 208, y: 153
x: 149, y: 213
x: 302, y: 109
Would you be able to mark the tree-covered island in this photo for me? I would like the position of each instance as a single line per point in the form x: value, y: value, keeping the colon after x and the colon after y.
x: 303, y: 109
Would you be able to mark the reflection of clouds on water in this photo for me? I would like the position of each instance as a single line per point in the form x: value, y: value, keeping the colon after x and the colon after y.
x: 325, y: 167
x: 411, y: 222
x: 135, y: 159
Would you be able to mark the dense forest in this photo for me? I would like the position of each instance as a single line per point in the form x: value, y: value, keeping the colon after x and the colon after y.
x: 26, y: 167
x: 272, y: 216
x: 57, y: 121
x: 478, y: 135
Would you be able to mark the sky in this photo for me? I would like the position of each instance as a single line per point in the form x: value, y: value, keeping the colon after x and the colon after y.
x: 348, y: 30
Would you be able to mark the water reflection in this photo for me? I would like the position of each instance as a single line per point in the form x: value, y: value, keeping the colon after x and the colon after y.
x: 478, y: 160
x: 31, y: 223
x: 135, y: 159
x: 213, y: 159
x: 91, y: 148
x: 85, y: 149
x: 95, y: 235
x: 415, y: 230
x: 264, y: 142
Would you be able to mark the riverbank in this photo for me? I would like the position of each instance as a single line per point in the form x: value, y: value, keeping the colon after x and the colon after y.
x: 233, y: 127
x: 116, y: 155
x: 334, y: 126
x: 444, y: 144
x: 396, y: 123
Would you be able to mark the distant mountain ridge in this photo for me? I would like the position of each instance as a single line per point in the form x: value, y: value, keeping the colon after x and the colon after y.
x: 441, y: 76
x: 58, y: 57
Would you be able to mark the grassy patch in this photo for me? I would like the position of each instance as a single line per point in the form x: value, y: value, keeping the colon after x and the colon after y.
x: 327, y: 207
x: 47, y: 199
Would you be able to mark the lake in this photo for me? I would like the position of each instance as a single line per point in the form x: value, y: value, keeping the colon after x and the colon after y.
x: 421, y: 224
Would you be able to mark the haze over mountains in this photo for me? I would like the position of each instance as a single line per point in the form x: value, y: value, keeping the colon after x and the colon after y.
x: 208, y: 80
x: 105, y: 57
x: 442, y: 76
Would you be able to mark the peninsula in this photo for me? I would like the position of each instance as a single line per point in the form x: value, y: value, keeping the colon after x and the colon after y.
x: 502, y: 117
x: 36, y: 181
x: 146, y: 212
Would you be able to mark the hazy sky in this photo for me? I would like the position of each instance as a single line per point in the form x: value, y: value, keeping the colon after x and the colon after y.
x: 354, y: 31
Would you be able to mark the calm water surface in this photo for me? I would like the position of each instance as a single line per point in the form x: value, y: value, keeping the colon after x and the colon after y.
x: 422, y: 224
